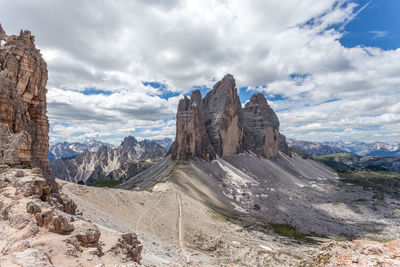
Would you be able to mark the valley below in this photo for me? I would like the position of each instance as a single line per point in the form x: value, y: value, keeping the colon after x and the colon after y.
x: 182, y: 219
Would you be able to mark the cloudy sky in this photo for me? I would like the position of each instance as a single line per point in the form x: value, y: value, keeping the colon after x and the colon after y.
x: 331, y: 69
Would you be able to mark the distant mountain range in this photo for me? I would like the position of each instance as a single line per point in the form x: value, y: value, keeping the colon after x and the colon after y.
x: 354, y: 147
x: 66, y: 150
x: 166, y: 142
x: 108, y: 163
x: 351, y: 162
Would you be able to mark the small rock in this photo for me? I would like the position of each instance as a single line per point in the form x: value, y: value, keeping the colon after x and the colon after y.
x: 32, y: 230
x: 33, y: 208
x: 20, y: 174
x: 44, y: 218
x: 20, y: 220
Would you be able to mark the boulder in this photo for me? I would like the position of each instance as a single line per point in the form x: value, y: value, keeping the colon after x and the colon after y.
x: 87, y: 233
x: 33, y: 207
x: 129, y: 246
x: 61, y: 223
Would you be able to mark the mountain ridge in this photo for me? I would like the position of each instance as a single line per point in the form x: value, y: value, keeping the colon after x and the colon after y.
x: 354, y: 147
x: 120, y: 163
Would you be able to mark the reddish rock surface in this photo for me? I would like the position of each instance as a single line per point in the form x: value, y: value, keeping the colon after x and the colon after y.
x: 358, y: 253
x: 191, y: 135
x: 23, y: 119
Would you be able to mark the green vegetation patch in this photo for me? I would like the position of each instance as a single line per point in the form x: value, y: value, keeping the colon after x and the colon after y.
x: 384, y: 182
x: 291, y: 232
x: 107, y: 183
x: 330, y: 156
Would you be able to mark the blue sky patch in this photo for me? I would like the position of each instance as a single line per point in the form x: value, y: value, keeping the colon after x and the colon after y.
x: 94, y: 91
x: 378, y: 25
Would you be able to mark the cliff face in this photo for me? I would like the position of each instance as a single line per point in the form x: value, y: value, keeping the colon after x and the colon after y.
x: 261, y: 127
x: 218, y: 125
x: 223, y: 117
x: 192, y: 139
x: 24, y: 126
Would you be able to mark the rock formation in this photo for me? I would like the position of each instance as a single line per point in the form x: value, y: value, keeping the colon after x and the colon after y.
x: 261, y: 127
x: 218, y: 125
x: 24, y: 125
x: 223, y: 117
x: 283, y: 145
x: 192, y: 139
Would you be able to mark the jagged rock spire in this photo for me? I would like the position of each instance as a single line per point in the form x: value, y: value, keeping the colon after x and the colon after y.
x: 218, y: 125
x: 223, y: 117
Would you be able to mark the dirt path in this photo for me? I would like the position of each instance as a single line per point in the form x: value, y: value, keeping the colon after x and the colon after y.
x: 180, y: 227
x: 147, y: 211
x: 154, y: 213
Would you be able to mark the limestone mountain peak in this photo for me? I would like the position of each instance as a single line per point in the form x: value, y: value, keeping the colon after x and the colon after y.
x: 218, y: 125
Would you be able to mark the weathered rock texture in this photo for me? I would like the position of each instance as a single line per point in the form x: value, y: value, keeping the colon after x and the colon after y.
x: 283, y: 145
x: 24, y: 124
x: 191, y: 135
x: 40, y: 228
x: 218, y: 125
x: 223, y: 117
x: 358, y: 253
x: 261, y: 127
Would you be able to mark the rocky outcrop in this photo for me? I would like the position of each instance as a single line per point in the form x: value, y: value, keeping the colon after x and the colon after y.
x: 218, y: 125
x: 24, y: 124
x: 283, y: 145
x: 37, y: 229
x: 121, y: 163
x: 15, y: 149
x: 192, y: 139
x: 129, y: 246
x: 358, y: 253
x: 261, y: 127
x: 223, y: 117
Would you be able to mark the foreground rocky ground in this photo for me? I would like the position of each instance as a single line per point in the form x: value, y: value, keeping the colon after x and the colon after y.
x: 42, y: 229
x: 38, y: 228
x: 358, y: 253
